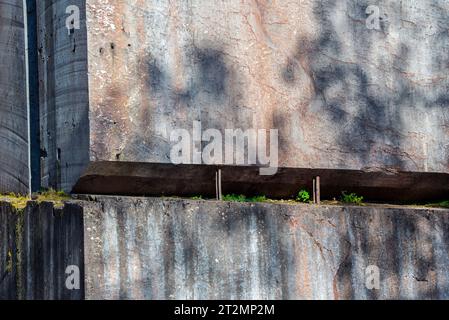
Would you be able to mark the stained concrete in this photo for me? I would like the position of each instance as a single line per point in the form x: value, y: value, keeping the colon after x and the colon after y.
x: 13, y: 107
x: 156, y: 248
x: 37, y: 245
x: 63, y: 95
x: 150, y: 248
x: 342, y: 96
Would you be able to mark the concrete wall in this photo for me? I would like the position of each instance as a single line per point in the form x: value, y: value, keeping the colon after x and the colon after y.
x: 63, y: 86
x: 342, y: 96
x: 13, y: 108
x: 154, y: 248
x: 36, y: 246
x: 175, y: 249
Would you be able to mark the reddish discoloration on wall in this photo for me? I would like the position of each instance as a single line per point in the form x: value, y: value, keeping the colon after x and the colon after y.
x: 313, y: 70
x: 341, y: 95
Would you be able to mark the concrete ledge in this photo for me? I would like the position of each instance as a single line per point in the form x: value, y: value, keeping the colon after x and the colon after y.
x: 155, y: 248
x: 175, y: 249
x: 163, y: 179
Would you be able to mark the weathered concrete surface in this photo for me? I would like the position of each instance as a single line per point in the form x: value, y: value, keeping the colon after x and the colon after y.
x: 155, y: 248
x: 36, y: 246
x: 144, y: 248
x: 13, y: 107
x: 343, y: 96
x: 63, y: 87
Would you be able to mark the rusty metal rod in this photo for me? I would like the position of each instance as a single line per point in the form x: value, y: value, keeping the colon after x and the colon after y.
x: 220, y: 191
x: 314, y: 191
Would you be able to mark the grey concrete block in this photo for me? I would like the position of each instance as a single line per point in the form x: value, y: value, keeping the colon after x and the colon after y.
x: 342, y: 95
x: 63, y: 87
x: 153, y: 248
x: 143, y: 248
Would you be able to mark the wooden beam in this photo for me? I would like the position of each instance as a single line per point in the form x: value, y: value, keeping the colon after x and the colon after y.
x: 161, y: 179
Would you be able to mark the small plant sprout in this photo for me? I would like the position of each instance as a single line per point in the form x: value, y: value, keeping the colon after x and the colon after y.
x: 234, y: 198
x: 303, y: 196
x: 258, y: 199
x: 351, y: 198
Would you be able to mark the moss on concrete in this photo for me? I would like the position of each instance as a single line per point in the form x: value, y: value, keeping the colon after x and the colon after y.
x: 57, y: 197
x: 20, y: 202
x: 19, y: 244
x: 9, y: 262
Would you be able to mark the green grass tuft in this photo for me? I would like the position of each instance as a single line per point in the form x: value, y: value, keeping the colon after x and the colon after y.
x: 234, y: 198
x: 257, y: 199
x: 351, y: 198
x: 243, y: 198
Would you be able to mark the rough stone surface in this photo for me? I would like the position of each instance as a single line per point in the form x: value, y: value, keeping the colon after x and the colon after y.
x: 343, y: 96
x: 13, y: 108
x: 143, y: 248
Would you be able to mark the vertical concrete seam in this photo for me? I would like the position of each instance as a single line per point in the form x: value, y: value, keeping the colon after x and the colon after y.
x: 27, y: 89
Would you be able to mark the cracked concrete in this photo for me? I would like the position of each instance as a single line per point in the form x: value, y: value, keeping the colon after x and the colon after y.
x: 156, y: 248
x: 342, y: 96
x: 150, y: 248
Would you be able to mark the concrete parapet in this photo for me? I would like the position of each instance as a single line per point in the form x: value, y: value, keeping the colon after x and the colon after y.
x: 153, y: 248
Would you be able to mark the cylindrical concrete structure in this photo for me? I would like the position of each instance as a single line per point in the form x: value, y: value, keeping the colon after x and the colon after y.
x: 13, y: 108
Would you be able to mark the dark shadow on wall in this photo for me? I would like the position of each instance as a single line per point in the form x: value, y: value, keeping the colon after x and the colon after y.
x: 408, y: 253
x: 210, y: 92
x: 373, y: 121
x: 367, y: 112
x: 366, y: 117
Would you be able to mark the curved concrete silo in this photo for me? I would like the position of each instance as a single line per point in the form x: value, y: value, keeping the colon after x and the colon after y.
x: 13, y: 108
